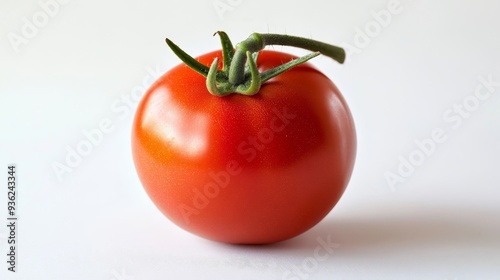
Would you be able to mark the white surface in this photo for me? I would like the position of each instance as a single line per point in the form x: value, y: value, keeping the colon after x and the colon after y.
x: 442, y: 222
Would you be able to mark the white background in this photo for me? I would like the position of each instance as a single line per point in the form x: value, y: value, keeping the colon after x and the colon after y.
x: 402, y: 77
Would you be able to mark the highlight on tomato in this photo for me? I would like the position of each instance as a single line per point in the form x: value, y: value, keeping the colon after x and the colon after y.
x: 245, y: 145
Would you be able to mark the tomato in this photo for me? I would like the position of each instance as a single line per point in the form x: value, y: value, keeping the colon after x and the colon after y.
x: 244, y: 169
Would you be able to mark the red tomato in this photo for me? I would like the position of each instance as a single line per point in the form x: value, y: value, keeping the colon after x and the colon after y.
x: 245, y: 169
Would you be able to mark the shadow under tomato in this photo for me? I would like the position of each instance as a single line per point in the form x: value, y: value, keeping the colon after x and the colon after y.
x: 390, y: 237
x: 413, y: 228
x: 404, y: 228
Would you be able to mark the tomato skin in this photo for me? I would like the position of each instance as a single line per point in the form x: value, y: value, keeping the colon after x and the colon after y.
x: 244, y: 169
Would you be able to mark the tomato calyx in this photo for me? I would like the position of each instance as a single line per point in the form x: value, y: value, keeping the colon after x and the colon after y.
x: 239, y: 73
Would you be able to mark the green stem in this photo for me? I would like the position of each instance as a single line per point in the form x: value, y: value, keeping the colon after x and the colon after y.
x: 240, y: 73
x: 227, y: 50
x: 187, y: 59
x: 256, y: 42
x: 334, y: 52
x: 191, y: 62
